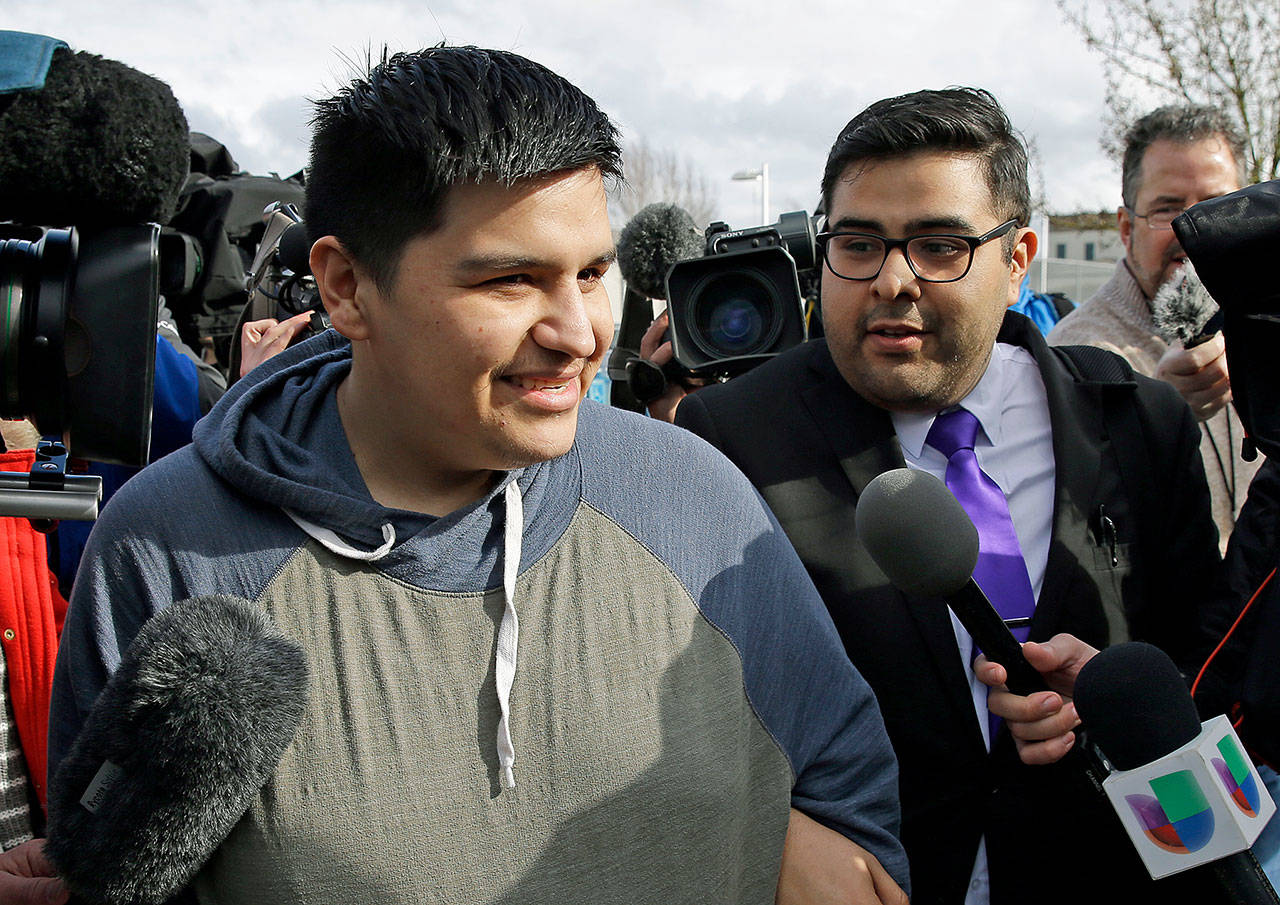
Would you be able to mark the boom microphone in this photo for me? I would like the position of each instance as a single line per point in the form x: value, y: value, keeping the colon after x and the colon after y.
x: 1189, y: 799
x: 922, y: 539
x: 101, y: 144
x: 655, y: 239
x: 181, y: 739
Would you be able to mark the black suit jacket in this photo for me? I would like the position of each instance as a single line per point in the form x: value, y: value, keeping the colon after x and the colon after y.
x: 810, y: 445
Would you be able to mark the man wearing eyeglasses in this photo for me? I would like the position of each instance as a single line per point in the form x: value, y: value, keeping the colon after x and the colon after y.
x: 1105, y: 536
x: 1174, y: 157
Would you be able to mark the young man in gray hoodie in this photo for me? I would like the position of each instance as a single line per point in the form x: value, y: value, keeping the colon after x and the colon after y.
x: 525, y: 683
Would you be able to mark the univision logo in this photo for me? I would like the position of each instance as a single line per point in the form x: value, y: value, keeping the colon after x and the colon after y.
x: 1179, y: 818
x: 1233, y: 769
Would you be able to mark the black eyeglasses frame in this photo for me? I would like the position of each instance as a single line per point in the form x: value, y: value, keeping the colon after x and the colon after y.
x: 890, y: 244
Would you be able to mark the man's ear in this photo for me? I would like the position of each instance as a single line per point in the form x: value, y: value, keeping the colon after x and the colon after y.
x: 1124, y: 220
x: 1024, y: 251
x: 344, y: 287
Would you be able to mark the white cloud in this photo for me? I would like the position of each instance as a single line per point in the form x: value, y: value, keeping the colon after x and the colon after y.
x: 731, y: 84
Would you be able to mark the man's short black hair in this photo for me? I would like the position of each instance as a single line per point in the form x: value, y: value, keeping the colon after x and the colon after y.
x: 954, y: 120
x: 388, y: 148
x: 1182, y: 123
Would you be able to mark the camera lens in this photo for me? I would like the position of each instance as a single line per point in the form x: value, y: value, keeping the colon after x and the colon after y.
x: 35, y: 275
x: 735, y: 314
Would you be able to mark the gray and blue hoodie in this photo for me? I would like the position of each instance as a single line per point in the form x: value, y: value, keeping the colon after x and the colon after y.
x: 606, y: 681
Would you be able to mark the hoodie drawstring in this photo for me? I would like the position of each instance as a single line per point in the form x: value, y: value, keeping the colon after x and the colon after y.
x: 509, y: 630
x: 337, y: 546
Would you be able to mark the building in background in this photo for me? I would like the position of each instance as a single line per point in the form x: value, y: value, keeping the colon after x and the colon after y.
x: 1079, y: 252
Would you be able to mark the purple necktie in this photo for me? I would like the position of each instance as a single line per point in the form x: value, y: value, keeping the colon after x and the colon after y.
x: 1001, y: 571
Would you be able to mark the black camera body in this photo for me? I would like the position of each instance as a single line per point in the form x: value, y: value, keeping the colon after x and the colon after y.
x: 78, y: 348
x: 740, y: 303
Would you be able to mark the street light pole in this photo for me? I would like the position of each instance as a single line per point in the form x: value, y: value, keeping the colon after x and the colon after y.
x: 761, y: 174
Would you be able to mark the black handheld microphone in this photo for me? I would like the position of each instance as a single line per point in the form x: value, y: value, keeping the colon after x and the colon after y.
x: 922, y: 539
x: 184, y: 735
x: 1136, y: 707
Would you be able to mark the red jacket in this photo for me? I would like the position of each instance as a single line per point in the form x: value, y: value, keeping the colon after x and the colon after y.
x: 31, y: 614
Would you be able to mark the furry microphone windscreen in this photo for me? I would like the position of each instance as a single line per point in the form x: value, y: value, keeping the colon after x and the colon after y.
x: 100, y: 145
x: 178, y: 744
x: 659, y: 236
x: 1182, y: 307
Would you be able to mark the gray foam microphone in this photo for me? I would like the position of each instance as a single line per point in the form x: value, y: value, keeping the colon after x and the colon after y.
x: 917, y: 532
x: 1183, y: 310
x: 922, y: 539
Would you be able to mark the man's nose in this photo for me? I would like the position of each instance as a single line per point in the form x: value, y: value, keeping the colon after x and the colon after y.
x: 896, y: 277
x: 566, y: 323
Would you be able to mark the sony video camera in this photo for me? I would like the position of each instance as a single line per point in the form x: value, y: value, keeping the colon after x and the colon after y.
x: 740, y: 304
x: 733, y: 297
x: 92, y: 156
x: 78, y: 348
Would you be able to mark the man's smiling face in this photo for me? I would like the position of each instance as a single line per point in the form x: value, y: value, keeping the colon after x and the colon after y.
x: 904, y: 344
x: 495, y: 325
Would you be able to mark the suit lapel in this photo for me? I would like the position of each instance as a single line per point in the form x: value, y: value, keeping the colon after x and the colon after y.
x: 859, y: 435
x: 862, y: 441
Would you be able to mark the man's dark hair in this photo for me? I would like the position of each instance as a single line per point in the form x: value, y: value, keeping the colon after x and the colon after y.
x: 953, y: 120
x: 1175, y: 122
x: 388, y: 148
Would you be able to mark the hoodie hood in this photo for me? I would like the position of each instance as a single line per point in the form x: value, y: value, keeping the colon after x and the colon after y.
x: 276, y: 437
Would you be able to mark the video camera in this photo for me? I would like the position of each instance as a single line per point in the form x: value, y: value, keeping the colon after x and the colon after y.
x: 279, y: 282
x: 78, y: 352
x: 740, y: 304
x: 733, y: 296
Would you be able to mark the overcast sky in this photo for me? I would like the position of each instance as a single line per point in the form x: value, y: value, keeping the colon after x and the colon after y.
x: 728, y: 84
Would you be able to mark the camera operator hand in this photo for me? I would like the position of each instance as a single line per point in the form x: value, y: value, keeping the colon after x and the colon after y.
x: 1041, y: 723
x: 264, y: 339
x: 27, y: 877
x: 1199, y: 374
x: 822, y: 867
x: 659, y: 352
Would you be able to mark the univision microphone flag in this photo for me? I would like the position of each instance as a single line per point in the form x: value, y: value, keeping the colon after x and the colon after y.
x: 1199, y: 803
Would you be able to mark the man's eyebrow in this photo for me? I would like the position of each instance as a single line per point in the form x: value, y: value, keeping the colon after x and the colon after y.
x: 857, y: 224
x: 1168, y: 199
x: 499, y: 263
x: 913, y: 227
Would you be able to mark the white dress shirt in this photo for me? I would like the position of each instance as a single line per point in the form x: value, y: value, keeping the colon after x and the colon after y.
x: 1014, y: 447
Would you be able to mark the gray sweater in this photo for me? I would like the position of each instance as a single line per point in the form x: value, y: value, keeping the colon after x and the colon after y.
x: 678, y: 683
x: 1118, y: 318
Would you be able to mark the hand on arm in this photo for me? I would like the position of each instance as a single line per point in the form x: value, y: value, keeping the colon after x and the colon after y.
x: 822, y: 867
x: 1042, y: 724
x: 27, y: 877
x: 1199, y: 374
